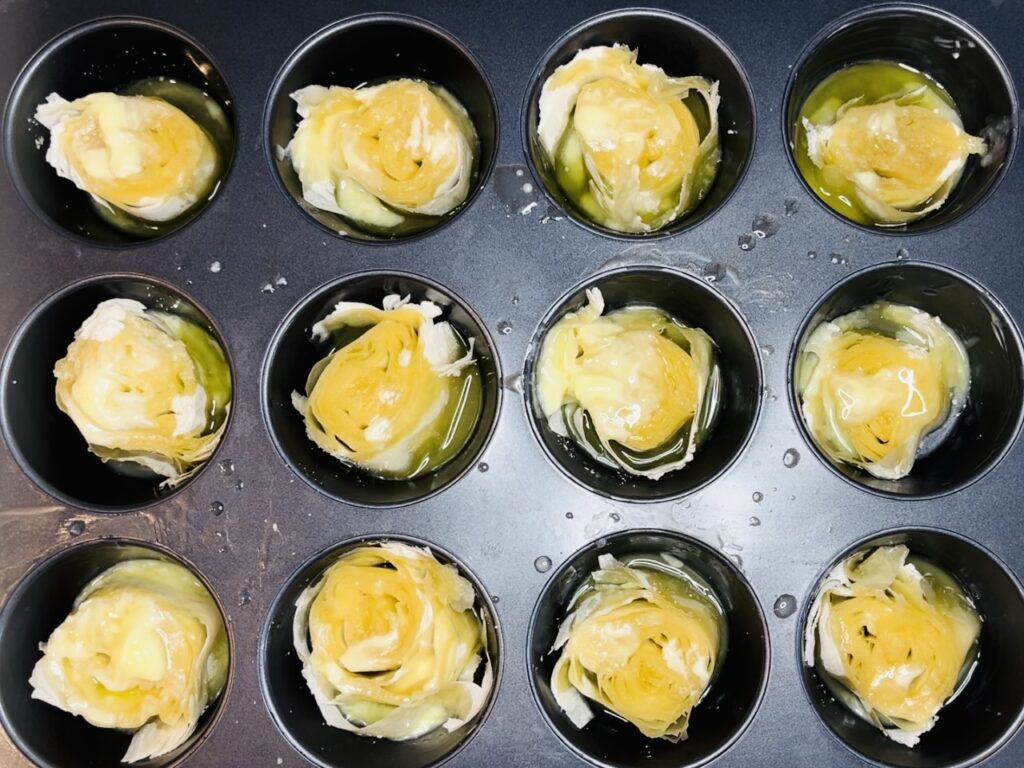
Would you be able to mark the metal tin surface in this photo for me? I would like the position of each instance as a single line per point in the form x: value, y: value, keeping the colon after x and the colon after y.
x: 778, y: 512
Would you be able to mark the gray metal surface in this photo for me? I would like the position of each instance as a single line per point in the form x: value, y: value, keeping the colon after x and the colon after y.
x: 509, y: 267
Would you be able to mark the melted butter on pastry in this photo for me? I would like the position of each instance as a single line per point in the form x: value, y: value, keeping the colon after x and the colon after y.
x: 379, y: 398
x: 390, y: 644
x: 874, y: 382
x: 898, y: 155
x: 897, y: 639
x: 140, y: 154
x: 634, y: 377
x: 641, y: 643
x: 144, y: 649
x: 145, y: 387
x: 372, y: 154
x: 623, y: 140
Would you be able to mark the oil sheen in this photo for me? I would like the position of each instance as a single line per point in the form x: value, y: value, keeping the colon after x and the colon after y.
x: 453, y: 428
x: 209, y: 115
x: 869, y: 83
x: 638, y: 390
x: 573, y: 179
x: 642, y: 642
x: 905, y: 718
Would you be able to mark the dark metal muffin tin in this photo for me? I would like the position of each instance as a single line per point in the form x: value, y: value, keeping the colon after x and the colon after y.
x: 40, y: 602
x: 997, y: 595
x: 736, y: 689
x: 247, y: 522
x: 103, y: 55
x: 45, y: 442
x: 295, y: 712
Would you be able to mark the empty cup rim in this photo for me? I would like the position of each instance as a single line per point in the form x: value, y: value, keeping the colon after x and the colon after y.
x: 606, y: 542
x: 821, y: 37
x: 534, y: 84
x: 484, y: 168
x: 58, y: 41
x: 557, y: 310
x: 332, y: 286
x: 863, y: 542
x: 14, y: 343
x: 49, y: 557
x: 804, y: 327
x: 372, y: 539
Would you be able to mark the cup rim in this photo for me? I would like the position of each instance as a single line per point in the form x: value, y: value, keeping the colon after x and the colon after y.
x: 334, y: 285
x: 994, y: 305
x: 485, y: 167
x: 837, y: 24
x: 58, y: 41
x: 864, y: 542
x: 371, y: 539
x: 606, y: 542
x: 556, y: 311
x: 14, y: 343
x: 54, y: 554
x: 526, y: 131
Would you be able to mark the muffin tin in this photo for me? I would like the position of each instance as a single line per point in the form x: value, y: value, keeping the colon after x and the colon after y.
x: 509, y: 516
x: 38, y: 605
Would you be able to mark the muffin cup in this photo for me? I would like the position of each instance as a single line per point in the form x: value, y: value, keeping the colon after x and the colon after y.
x: 107, y: 54
x: 988, y: 425
x: 293, y: 353
x: 681, y: 47
x: 45, y: 441
x: 293, y: 708
x: 990, y: 708
x: 46, y: 735
x: 732, y: 699
x: 695, y: 303
x: 940, y: 45
x: 371, y: 49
